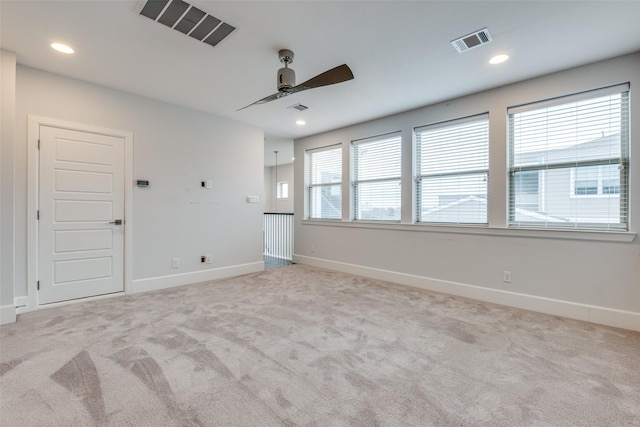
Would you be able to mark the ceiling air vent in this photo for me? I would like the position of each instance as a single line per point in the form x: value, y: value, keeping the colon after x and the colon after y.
x: 475, y: 39
x: 298, y: 107
x: 188, y: 19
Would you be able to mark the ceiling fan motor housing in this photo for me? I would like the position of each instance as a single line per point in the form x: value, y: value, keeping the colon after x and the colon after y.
x: 286, y: 80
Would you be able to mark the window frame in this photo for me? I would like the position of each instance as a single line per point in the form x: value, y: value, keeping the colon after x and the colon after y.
x: 310, y: 186
x: 623, y: 162
x: 419, y: 177
x: 394, y: 137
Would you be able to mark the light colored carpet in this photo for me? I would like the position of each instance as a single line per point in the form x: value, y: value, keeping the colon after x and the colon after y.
x: 305, y: 346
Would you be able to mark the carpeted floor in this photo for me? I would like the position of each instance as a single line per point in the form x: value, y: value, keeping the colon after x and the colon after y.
x: 305, y: 346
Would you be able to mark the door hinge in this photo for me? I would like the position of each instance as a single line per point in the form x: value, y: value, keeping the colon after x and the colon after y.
x: 38, y: 144
x: 38, y: 215
x: 38, y: 282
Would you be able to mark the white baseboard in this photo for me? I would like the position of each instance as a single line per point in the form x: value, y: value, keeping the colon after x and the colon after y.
x: 164, y: 282
x: 589, y: 313
x: 22, y: 304
x: 7, y: 314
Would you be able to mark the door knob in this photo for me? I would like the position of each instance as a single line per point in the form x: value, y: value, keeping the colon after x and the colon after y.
x: 116, y: 222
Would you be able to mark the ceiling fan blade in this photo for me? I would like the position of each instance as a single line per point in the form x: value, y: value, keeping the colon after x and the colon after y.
x: 264, y: 100
x: 339, y: 74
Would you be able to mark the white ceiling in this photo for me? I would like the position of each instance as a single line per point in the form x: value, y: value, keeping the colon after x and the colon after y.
x: 399, y: 51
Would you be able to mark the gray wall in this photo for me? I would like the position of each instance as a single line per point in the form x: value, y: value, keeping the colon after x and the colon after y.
x: 174, y: 148
x: 7, y: 129
x: 581, y: 268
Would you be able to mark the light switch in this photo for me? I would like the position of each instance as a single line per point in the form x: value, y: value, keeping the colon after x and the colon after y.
x: 209, y: 184
x: 253, y: 199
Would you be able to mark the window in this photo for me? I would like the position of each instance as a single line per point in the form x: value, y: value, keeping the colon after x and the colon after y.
x: 452, y: 167
x: 527, y: 186
x: 324, y: 183
x: 377, y: 169
x: 577, y: 147
x: 283, y: 190
x: 595, y: 180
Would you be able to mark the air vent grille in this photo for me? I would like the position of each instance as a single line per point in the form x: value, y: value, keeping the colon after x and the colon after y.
x: 473, y: 40
x: 298, y: 107
x: 187, y: 19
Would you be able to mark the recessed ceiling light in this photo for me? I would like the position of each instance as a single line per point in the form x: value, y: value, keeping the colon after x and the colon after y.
x: 498, y: 59
x: 301, y: 122
x: 62, y: 48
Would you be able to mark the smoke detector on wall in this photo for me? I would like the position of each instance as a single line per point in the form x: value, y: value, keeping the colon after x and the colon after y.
x: 473, y: 40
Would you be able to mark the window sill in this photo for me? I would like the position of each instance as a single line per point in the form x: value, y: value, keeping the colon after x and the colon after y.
x: 603, y: 236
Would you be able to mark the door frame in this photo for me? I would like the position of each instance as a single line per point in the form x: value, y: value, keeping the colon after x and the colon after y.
x: 30, y: 301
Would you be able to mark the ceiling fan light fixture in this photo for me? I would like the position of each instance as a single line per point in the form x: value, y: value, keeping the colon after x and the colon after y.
x: 63, y: 48
x: 286, y: 80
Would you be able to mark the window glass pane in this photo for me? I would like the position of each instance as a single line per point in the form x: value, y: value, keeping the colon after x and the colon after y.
x: 325, y: 202
x: 379, y: 201
x: 575, y: 150
x: 325, y: 166
x: 459, y: 199
x: 611, y: 179
x: 452, y: 167
x: 283, y: 190
x: 324, y: 183
x: 527, y: 190
x: 454, y: 148
x: 378, y: 159
x: 573, y: 132
x: 376, y: 185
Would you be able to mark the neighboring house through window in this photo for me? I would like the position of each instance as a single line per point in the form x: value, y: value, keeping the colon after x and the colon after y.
x: 596, y: 180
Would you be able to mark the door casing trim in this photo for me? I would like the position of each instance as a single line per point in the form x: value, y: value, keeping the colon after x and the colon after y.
x: 30, y: 301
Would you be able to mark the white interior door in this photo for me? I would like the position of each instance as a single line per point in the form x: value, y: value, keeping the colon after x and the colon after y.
x: 81, y: 211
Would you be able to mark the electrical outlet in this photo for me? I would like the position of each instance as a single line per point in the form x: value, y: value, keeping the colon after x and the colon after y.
x: 208, y: 259
x: 175, y: 263
x: 203, y: 258
x: 506, y: 276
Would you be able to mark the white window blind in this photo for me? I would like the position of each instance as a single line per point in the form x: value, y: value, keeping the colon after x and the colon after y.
x: 377, y: 169
x: 452, y: 166
x: 568, y: 162
x: 324, y: 182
